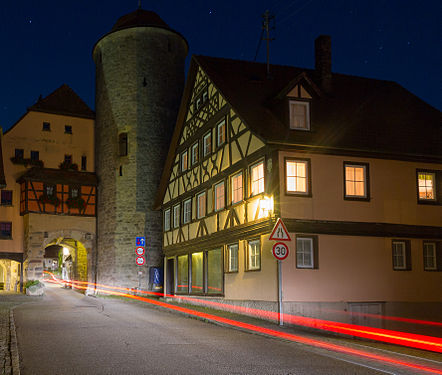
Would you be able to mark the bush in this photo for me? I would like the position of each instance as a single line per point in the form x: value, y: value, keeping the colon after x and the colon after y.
x: 31, y: 282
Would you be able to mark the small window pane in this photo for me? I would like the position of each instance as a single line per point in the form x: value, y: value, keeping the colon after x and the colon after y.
x: 201, y: 205
x: 304, y: 252
x: 219, y: 196
x: 254, y: 255
x: 233, y: 258
x: 430, y: 256
x: 187, y: 211
x: 167, y: 220
x: 257, y: 178
x: 237, y: 188
x: 214, y: 272
x: 426, y: 186
x: 355, y: 181
x: 6, y: 197
x: 207, y: 144
x: 197, y: 273
x: 182, y: 273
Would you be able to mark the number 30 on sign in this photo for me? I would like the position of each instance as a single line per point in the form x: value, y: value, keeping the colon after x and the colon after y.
x: 280, y: 250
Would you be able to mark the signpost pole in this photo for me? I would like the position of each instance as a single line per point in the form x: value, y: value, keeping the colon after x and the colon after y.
x: 281, y: 312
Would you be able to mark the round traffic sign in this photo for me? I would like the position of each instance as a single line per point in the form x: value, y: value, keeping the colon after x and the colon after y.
x: 280, y: 250
x: 139, y: 250
x: 140, y: 261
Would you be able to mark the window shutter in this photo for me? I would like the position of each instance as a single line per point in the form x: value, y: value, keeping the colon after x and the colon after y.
x: 439, y: 256
x: 407, y: 255
x: 315, y: 252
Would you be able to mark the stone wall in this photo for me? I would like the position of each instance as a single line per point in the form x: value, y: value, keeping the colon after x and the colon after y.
x: 139, y: 83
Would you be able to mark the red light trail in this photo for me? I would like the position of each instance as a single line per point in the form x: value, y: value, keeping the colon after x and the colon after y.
x: 401, y: 338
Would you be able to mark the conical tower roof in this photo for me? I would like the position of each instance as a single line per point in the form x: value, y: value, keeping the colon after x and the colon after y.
x: 138, y: 18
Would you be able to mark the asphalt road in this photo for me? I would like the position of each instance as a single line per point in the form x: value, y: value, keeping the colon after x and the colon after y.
x: 68, y: 333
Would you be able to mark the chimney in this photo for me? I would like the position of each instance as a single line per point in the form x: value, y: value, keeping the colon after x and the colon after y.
x: 323, y: 61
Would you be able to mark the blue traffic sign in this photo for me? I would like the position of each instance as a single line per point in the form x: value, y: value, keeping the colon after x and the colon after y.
x: 140, y: 241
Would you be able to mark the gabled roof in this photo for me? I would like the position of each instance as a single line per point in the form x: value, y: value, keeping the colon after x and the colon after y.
x: 359, y: 115
x: 59, y: 176
x: 2, y: 171
x: 63, y: 101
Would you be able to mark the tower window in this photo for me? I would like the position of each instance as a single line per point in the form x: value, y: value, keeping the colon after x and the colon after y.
x: 68, y: 129
x: 46, y: 126
x: 122, y: 144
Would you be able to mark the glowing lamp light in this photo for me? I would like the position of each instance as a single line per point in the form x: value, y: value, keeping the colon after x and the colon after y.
x: 265, y: 206
x: 65, y: 251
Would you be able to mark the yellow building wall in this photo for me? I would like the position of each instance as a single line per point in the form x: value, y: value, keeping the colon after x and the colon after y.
x: 392, y: 191
x: 52, y: 145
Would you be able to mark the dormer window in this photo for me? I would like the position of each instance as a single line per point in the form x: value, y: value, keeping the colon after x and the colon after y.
x: 299, y: 115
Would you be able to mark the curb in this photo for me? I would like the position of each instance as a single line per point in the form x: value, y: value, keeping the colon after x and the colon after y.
x: 15, y: 361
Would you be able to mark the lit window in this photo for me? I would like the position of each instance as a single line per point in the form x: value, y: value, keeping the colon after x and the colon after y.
x: 167, y: 220
x: 182, y: 277
x: 254, y: 255
x: 176, y: 216
x: 122, y: 144
x: 232, y: 258
x: 304, y: 252
x: 214, y: 273
x: 46, y: 126
x: 356, y: 186
x: 299, y: 115
x: 195, y: 150
x: 6, y: 197
x: 219, y: 196
x: 184, y: 161
x: 257, y: 178
x: 201, y: 205
x: 221, y: 133
x: 297, y: 176
x: 68, y: 129
x: 5, y: 230
x: 401, y: 255
x: 207, y: 144
x: 197, y: 273
x: 187, y: 211
x: 237, y: 188
x: 426, y: 186
x: 430, y: 263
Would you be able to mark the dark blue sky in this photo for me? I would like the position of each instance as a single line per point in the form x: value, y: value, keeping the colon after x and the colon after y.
x: 48, y: 42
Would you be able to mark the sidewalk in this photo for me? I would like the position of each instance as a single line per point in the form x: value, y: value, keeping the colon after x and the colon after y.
x: 9, y: 359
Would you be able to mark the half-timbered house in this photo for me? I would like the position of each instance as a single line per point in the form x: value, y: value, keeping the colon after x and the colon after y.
x: 48, y: 199
x: 352, y: 165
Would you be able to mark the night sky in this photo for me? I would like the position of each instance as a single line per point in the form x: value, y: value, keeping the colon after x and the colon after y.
x: 46, y: 43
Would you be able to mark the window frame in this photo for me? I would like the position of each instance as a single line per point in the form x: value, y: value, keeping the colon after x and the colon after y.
x: 6, y: 236
x: 176, y: 218
x: 215, y: 196
x: 314, y: 251
x: 166, y: 220
x: 75, y: 187
x: 189, y: 212
x: 68, y: 159
x: 209, y: 148
x: 229, y: 268
x: 184, y: 156
x: 436, y: 187
x: 46, y: 126
x: 251, y: 194
x: 194, y: 159
x: 68, y: 129
x: 248, y: 267
x: 305, y: 103
x: 6, y: 202
x: 54, y: 190
x: 434, y: 255
x: 406, y: 255
x: 366, y: 168
x: 232, y: 191
x: 308, y: 192
x: 203, y: 193
x: 222, y: 122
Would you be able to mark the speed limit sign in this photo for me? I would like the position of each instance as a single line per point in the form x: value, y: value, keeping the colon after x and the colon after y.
x: 280, y: 250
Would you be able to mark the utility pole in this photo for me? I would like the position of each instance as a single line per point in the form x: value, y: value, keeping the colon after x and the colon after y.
x: 267, y: 19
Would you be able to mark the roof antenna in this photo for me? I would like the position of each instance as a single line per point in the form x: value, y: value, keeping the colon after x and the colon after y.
x: 267, y: 19
x: 139, y: 4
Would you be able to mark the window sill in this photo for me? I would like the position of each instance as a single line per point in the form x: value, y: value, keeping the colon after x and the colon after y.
x: 355, y: 198
x: 5, y: 238
x: 298, y: 194
x: 254, y: 270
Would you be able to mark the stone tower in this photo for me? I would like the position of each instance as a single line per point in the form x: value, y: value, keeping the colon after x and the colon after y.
x: 139, y: 83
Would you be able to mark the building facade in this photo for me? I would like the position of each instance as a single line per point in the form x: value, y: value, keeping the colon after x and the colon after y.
x: 48, y: 197
x: 352, y: 165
